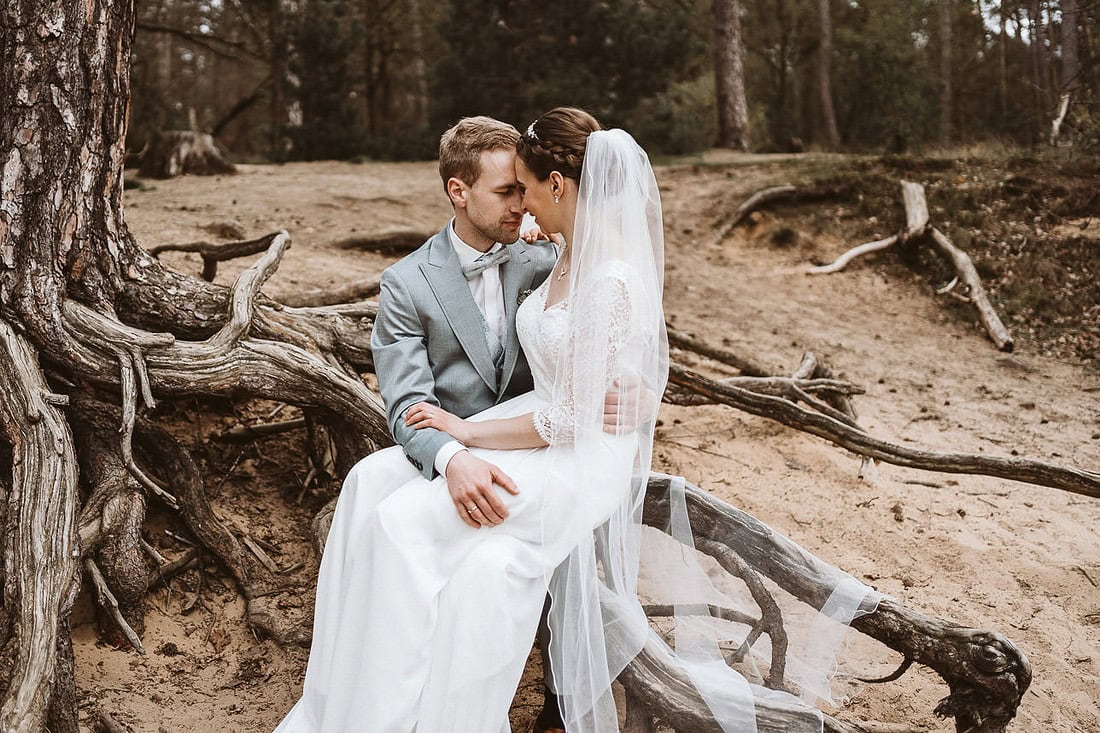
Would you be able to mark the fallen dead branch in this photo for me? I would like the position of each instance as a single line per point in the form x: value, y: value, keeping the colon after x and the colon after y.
x: 975, y: 293
x: 777, y: 195
x: 918, y: 227
x: 985, y: 672
x: 398, y: 241
x: 214, y: 252
x: 1075, y: 480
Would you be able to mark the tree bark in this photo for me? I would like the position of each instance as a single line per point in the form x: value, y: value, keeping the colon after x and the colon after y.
x: 1040, y: 67
x: 946, y: 94
x: 40, y: 544
x: 830, y: 133
x: 1002, y: 76
x: 729, y: 76
x: 1071, y: 63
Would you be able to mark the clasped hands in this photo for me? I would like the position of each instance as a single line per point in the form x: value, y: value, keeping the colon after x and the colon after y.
x: 470, y: 480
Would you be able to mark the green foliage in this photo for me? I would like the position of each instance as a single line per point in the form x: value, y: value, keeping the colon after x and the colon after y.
x: 382, y: 78
x: 885, y: 74
x: 325, y: 43
x: 681, y: 119
x: 514, y: 59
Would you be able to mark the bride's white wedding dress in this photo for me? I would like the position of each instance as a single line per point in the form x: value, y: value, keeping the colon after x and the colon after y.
x: 424, y: 623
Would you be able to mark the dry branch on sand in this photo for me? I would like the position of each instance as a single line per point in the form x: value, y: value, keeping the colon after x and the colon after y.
x: 917, y: 228
x: 397, y: 241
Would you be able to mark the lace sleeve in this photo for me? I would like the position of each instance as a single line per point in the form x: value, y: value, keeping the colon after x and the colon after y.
x: 599, y: 318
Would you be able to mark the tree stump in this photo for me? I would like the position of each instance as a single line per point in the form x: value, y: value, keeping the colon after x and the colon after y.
x: 184, y: 152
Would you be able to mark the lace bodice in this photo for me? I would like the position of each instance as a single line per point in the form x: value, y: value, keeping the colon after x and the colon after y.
x: 543, y: 334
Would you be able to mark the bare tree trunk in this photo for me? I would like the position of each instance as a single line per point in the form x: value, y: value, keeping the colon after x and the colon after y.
x: 420, y: 68
x: 1003, y: 63
x: 279, y: 49
x: 1071, y: 63
x: 68, y: 268
x: 831, y: 134
x: 729, y: 76
x: 1040, y: 66
x: 946, y: 93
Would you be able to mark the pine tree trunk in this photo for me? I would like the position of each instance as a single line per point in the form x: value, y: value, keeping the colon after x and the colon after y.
x: 1003, y: 65
x: 729, y: 75
x: 946, y: 93
x: 1040, y: 66
x: 831, y: 135
x: 61, y: 234
x: 1071, y: 64
x: 277, y: 33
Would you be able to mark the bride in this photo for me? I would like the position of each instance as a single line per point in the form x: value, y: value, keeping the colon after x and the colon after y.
x: 424, y: 622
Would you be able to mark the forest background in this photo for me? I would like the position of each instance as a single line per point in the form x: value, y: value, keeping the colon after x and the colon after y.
x: 346, y: 79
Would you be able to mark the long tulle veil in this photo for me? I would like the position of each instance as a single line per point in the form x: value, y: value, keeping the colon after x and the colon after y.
x: 616, y: 340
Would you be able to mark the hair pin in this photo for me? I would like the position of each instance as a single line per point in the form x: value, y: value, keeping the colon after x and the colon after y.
x: 531, y: 131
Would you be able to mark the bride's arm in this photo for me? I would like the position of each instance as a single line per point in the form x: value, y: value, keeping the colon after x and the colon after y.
x: 506, y: 434
x: 604, y: 332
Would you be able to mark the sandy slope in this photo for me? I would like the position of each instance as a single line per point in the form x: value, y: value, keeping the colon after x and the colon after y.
x: 988, y: 553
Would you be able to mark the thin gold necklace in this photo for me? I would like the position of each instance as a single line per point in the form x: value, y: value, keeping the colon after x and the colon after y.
x: 563, y: 270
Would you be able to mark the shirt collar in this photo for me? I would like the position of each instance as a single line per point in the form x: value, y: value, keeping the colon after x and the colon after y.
x: 466, y: 253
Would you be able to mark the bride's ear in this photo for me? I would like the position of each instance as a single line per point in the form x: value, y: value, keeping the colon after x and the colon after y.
x: 557, y: 183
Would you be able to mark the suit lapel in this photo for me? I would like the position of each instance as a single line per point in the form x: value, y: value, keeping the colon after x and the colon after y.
x: 515, y: 274
x: 444, y: 276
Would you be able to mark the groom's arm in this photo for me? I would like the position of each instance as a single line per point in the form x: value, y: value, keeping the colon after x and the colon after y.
x: 404, y: 373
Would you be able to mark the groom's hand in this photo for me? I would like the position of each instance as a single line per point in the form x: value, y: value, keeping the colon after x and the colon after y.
x: 470, y: 482
x: 628, y: 405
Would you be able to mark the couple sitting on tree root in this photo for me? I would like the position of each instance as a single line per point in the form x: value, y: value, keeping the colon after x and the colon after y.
x: 521, y: 378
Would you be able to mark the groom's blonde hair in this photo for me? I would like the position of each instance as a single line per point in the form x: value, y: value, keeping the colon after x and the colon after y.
x: 461, y: 147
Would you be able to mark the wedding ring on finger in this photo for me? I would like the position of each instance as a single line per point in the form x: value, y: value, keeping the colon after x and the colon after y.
x: 471, y: 509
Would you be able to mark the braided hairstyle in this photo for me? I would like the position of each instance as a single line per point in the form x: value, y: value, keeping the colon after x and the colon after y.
x: 556, y: 142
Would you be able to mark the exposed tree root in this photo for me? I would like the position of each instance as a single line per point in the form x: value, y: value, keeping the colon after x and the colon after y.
x: 777, y: 195
x: 41, y: 576
x: 214, y: 252
x: 360, y: 290
x: 678, y: 339
x: 986, y: 673
x: 398, y: 241
x: 256, y: 582
x: 1076, y: 480
x: 176, y: 152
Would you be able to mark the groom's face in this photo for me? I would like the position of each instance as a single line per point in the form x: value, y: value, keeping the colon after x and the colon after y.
x: 493, y: 205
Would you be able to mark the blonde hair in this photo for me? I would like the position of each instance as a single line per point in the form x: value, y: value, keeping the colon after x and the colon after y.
x: 460, y: 147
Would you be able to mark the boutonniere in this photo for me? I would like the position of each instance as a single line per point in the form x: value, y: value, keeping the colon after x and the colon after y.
x: 522, y: 296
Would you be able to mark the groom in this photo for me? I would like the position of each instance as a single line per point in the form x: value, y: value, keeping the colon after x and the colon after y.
x: 446, y: 326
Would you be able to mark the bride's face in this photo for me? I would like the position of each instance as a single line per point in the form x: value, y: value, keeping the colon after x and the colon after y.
x: 538, y: 198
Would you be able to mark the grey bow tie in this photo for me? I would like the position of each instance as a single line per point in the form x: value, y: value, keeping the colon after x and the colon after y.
x: 486, y: 261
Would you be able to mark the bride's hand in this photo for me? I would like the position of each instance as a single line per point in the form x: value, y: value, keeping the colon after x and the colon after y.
x: 426, y: 415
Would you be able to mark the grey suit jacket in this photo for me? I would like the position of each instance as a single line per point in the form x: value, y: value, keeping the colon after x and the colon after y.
x: 429, y: 339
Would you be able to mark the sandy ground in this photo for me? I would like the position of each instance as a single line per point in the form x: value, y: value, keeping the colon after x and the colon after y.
x: 987, y: 553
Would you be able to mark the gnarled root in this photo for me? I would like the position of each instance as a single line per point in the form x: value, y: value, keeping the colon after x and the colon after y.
x: 257, y: 583
x: 42, y: 581
x: 1076, y: 480
x: 987, y: 674
x: 111, y: 520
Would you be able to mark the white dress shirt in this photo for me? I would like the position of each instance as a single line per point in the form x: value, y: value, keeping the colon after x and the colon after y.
x: 489, y: 296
